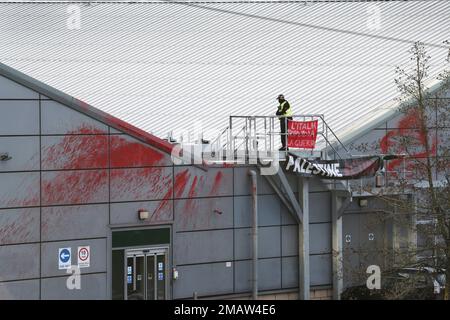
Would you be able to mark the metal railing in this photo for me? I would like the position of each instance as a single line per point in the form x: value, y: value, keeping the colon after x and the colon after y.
x: 261, y: 133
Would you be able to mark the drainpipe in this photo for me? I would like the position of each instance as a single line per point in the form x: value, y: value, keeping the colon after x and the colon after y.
x: 252, y: 173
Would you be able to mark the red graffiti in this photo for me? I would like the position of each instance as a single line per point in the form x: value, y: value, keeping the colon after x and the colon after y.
x: 74, y: 187
x: 16, y: 227
x: 91, y: 151
x: 181, y: 181
x: 140, y: 183
x: 134, y: 154
x: 216, y: 185
x: 192, y: 190
x: 408, y: 126
x: 76, y: 152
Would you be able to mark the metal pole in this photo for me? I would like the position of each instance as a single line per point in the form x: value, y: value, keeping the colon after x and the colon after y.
x: 252, y: 173
x: 303, y: 246
x: 337, y: 245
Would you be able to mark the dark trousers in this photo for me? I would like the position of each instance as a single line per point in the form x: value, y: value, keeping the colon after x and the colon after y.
x: 283, y: 126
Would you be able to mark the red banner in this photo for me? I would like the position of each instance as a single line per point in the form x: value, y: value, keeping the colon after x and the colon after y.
x: 302, y: 134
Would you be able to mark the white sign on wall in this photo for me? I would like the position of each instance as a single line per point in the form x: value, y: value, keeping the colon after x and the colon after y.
x: 84, y: 257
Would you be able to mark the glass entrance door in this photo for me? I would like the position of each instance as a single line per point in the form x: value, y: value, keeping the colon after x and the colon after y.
x: 145, y: 274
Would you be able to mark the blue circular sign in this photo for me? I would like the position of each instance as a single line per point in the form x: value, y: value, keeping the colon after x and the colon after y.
x: 64, y: 255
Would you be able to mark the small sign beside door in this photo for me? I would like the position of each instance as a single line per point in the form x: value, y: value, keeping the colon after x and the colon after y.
x: 84, y: 257
x: 160, y: 266
x: 64, y: 258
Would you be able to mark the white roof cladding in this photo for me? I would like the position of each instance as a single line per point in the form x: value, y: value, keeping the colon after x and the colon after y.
x: 161, y: 66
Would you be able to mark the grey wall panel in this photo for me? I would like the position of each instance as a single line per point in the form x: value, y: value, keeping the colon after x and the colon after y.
x: 289, y: 240
x: 23, y: 262
x: 50, y: 258
x: 371, y: 231
x: 12, y: 90
x: 19, y: 225
x: 242, y: 243
x: 367, y: 144
x: 205, y: 213
x: 19, y: 117
x: 242, y: 182
x: 350, y: 231
x: 74, y: 187
x: 320, y: 238
x: 19, y: 290
x: 286, y: 216
x: 375, y: 257
x: 352, y: 268
x: 115, y: 131
x: 139, y: 184
x: 317, y: 185
x: 442, y: 116
x: 319, y: 207
x: 74, y: 152
x: 243, y: 276
x: 320, y: 270
x: 191, y: 182
x: 127, y: 213
x: 19, y: 189
x: 268, y: 211
x: 269, y: 275
x: 205, y: 279
x: 293, y: 181
x: 289, y: 275
x: 443, y: 143
x: 268, y: 242
x: 74, y: 222
x: 203, y: 246
x: 93, y: 287
x: 130, y: 152
x: 24, y: 152
x: 59, y: 119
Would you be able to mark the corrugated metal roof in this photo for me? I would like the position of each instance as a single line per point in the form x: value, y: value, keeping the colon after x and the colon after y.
x: 161, y: 66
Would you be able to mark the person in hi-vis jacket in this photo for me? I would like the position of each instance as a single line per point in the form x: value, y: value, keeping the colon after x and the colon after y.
x: 284, y: 113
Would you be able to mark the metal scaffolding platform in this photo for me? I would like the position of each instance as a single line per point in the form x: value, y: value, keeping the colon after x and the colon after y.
x: 248, y: 135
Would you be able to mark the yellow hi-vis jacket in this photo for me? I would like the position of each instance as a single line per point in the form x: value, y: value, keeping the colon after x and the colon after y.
x: 287, y: 113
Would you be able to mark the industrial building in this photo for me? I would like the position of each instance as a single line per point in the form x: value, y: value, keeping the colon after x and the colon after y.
x: 86, y: 178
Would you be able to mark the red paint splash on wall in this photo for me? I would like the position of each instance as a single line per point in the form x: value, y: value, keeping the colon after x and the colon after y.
x: 408, y: 126
x: 192, y: 190
x: 77, y: 152
x: 91, y: 151
x: 19, y: 227
x: 181, y: 180
x: 139, y: 183
x: 74, y: 187
x: 125, y: 153
x: 216, y: 185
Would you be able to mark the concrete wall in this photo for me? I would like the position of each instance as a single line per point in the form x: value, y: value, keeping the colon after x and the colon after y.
x: 73, y: 180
